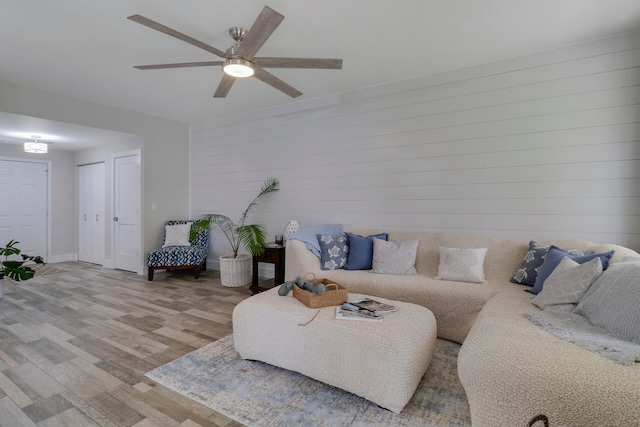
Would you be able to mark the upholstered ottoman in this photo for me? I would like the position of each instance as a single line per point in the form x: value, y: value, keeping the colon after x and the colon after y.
x: 379, y: 361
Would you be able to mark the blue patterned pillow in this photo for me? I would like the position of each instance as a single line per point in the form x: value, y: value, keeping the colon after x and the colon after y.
x: 533, y: 259
x: 333, y: 251
x: 553, y: 258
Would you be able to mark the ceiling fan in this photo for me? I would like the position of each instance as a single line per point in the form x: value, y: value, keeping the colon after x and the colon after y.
x: 240, y: 60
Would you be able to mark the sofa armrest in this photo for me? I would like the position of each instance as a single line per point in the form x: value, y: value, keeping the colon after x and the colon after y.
x: 299, y: 260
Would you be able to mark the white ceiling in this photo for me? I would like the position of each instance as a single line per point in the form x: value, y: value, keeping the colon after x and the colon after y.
x: 16, y: 129
x: 87, y: 49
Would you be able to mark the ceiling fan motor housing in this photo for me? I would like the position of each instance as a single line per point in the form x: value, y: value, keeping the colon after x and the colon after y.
x: 237, y: 33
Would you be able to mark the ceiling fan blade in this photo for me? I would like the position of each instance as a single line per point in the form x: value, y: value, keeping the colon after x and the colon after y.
x: 224, y: 87
x: 319, y: 63
x: 178, y: 65
x: 173, y: 33
x: 272, y: 80
x: 260, y: 31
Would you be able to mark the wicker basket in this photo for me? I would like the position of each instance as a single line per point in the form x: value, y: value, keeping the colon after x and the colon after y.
x: 235, y: 272
x: 335, y: 294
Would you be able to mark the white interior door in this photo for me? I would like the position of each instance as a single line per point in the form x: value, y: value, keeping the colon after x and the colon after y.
x: 91, y: 206
x: 23, y: 210
x: 126, y: 208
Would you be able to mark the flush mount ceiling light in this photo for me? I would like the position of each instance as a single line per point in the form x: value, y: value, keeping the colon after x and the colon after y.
x: 237, y: 67
x: 36, y: 146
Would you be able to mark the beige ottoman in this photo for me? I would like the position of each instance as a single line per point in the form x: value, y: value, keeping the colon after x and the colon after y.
x: 379, y: 361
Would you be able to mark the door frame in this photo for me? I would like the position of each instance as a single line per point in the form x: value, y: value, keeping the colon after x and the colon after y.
x: 114, y: 156
x: 105, y: 216
x: 47, y: 163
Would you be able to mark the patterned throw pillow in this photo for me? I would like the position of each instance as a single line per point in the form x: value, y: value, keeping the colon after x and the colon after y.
x: 394, y: 257
x: 333, y: 251
x: 553, y: 258
x: 533, y: 259
x: 566, y: 286
x: 462, y: 265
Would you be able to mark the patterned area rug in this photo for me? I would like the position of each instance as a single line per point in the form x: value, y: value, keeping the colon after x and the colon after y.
x: 258, y: 394
x: 42, y: 269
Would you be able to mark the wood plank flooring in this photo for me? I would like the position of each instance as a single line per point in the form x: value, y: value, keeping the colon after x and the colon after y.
x: 75, y: 345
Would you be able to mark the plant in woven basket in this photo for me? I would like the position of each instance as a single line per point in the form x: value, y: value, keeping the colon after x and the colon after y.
x: 252, y: 236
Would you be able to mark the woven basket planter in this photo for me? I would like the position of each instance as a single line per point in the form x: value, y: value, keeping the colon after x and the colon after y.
x: 235, y: 272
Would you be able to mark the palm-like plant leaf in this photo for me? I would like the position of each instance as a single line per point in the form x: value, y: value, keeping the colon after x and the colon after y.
x: 270, y: 185
x: 253, y: 237
x: 223, y: 222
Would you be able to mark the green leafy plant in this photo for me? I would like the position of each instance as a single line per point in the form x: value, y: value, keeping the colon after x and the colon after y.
x: 16, y: 270
x: 252, y: 236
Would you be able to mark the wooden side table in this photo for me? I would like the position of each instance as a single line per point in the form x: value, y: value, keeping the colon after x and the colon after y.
x: 273, y: 254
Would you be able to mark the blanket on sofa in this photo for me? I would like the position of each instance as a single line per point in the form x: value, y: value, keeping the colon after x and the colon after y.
x: 576, y: 329
x: 308, y: 235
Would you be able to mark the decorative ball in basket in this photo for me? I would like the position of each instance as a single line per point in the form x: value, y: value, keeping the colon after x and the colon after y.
x: 315, y: 293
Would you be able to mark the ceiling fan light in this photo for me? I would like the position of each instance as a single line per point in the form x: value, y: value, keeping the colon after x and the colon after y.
x: 36, y: 147
x: 236, y: 67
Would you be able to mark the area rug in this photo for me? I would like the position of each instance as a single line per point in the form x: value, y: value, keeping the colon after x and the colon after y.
x: 43, y: 269
x: 257, y: 394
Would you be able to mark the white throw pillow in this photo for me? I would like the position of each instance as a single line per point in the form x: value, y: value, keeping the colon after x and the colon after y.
x: 612, y: 302
x: 177, y: 235
x: 394, y: 257
x: 567, y: 284
x: 462, y: 265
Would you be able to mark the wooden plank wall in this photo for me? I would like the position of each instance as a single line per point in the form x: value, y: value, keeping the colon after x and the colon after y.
x: 530, y: 147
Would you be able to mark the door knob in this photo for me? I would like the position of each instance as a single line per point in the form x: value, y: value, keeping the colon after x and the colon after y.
x: 115, y: 218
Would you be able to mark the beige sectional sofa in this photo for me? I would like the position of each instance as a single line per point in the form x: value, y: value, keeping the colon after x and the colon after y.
x: 510, y: 368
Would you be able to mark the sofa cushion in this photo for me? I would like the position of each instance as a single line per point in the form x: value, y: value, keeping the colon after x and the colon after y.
x: 553, y: 258
x: 333, y: 251
x: 177, y: 235
x: 463, y: 265
x: 613, y: 300
x: 173, y: 256
x: 533, y: 259
x: 394, y: 257
x: 568, y: 283
x: 361, y: 251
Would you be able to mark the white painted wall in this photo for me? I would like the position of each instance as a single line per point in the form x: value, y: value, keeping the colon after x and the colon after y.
x: 62, y: 241
x: 165, y: 160
x: 545, y: 145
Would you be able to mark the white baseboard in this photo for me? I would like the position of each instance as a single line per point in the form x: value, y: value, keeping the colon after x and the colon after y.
x: 107, y: 263
x: 61, y: 258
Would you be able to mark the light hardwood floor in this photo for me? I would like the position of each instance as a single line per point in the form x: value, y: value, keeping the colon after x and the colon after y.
x: 75, y: 345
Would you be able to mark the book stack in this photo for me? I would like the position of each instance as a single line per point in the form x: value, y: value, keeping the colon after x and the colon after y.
x: 365, y: 309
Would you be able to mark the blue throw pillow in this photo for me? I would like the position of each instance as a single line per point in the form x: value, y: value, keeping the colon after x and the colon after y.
x: 533, y: 259
x: 333, y: 251
x: 361, y: 251
x: 553, y: 258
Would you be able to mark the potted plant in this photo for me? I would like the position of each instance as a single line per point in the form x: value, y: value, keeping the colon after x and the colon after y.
x: 14, y: 269
x: 235, y: 269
